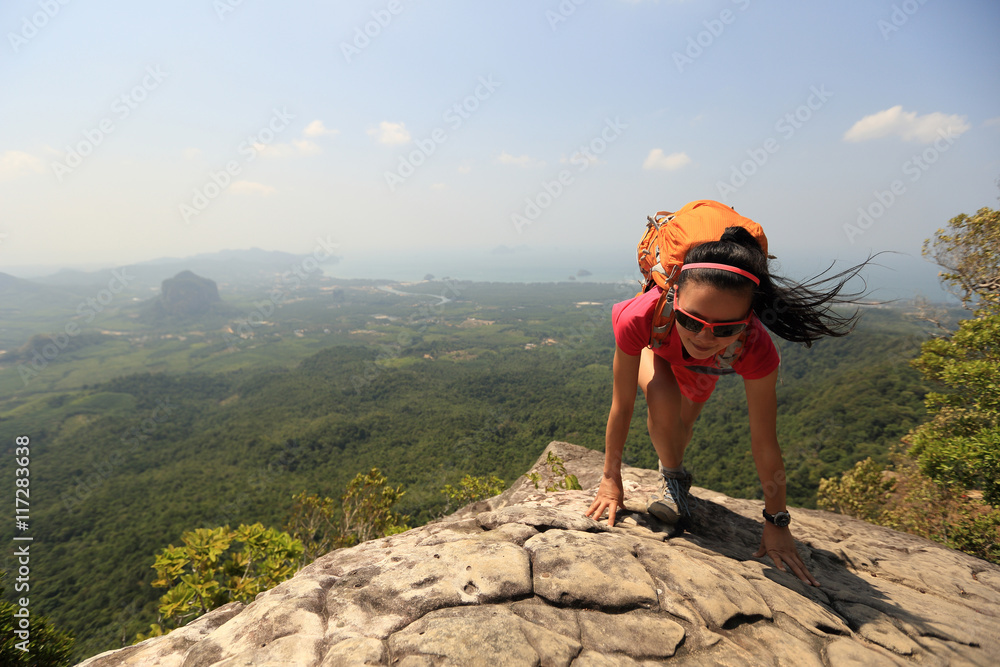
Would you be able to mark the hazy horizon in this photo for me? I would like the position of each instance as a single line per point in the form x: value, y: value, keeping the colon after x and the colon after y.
x: 891, y: 276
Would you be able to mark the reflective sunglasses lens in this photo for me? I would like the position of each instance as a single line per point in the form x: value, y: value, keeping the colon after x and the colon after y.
x: 728, y: 330
x: 692, y: 325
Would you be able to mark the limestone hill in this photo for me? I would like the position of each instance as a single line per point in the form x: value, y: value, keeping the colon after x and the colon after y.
x: 185, y: 295
x: 525, y: 579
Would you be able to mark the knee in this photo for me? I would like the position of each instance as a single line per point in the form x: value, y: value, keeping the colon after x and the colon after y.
x: 661, y: 387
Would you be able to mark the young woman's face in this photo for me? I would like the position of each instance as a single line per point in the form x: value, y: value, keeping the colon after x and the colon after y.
x: 712, y: 305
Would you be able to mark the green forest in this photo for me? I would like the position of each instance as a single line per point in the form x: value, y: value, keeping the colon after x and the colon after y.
x: 145, y: 429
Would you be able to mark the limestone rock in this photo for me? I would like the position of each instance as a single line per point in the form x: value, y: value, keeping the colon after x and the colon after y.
x: 524, y: 579
x: 187, y: 294
x: 580, y: 569
x: 487, y: 635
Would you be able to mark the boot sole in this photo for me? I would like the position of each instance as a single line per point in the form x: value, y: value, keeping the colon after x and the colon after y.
x: 663, y: 513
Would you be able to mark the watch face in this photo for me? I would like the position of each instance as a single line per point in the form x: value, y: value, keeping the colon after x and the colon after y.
x: 779, y: 519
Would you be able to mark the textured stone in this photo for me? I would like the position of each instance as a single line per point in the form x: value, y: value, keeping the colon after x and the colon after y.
x: 355, y: 652
x: 293, y: 608
x: 582, y: 569
x: 876, y: 627
x: 540, y: 517
x: 719, y: 597
x: 487, y: 635
x: 949, y: 654
x: 798, y: 603
x: 918, y: 613
x: 847, y: 653
x: 563, y: 621
x: 637, y: 634
x: 515, y: 533
x: 590, y: 658
x: 537, y: 583
x: 297, y: 649
x: 376, y: 601
x: 769, y: 645
x: 169, y: 650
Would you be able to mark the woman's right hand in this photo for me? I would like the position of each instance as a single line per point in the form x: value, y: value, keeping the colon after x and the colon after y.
x: 610, y: 497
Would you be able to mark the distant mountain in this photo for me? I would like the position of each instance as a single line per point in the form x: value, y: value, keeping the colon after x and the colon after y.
x: 252, y: 267
x: 186, y: 295
x: 17, y: 293
x: 9, y: 283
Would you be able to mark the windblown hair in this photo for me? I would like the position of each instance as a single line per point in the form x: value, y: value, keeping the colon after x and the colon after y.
x: 800, y: 313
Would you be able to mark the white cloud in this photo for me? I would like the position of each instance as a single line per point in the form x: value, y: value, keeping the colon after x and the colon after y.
x: 273, y: 150
x: 306, y: 147
x: 251, y: 188
x: 317, y: 129
x: 464, y: 168
x: 439, y: 186
x: 579, y: 158
x: 390, y: 133
x: 192, y: 153
x: 992, y: 122
x: 17, y: 163
x: 525, y: 161
x: 298, y: 146
x: 657, y: 160
x: 907, y: 125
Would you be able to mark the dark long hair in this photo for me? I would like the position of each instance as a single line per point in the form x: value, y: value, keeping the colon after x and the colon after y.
x: 800, y: 313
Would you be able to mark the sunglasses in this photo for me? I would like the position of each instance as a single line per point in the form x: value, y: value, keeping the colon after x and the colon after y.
x: 717, y: 329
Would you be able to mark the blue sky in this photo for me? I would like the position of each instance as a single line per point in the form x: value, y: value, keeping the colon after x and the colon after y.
x: 225, y: 124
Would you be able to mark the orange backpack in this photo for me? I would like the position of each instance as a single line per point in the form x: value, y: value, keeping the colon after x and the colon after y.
x: 668, y: 238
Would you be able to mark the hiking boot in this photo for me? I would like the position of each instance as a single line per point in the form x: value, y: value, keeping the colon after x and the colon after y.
x: 673, y: 502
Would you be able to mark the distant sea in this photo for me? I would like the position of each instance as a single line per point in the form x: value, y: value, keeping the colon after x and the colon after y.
x: 894, y: 276
x: 512, y: 266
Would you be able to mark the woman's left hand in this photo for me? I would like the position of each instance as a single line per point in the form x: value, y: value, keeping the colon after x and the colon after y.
x: 779, y: 545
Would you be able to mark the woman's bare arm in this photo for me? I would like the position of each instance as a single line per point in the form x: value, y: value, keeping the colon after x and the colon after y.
x: 611, y: 494
x: 776, y: 542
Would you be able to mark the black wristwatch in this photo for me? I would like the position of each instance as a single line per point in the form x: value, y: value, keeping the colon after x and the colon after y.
x: 779, y: 519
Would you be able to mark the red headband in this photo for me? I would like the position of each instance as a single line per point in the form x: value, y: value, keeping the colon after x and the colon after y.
x: 724, y: 267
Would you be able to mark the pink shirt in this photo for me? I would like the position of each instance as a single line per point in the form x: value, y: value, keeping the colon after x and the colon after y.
x: 633, y: 320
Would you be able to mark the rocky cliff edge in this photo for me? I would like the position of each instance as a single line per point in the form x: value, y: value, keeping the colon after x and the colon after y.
x: 525, y: 579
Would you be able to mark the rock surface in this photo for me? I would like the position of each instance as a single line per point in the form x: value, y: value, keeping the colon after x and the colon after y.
x: 524, y: 579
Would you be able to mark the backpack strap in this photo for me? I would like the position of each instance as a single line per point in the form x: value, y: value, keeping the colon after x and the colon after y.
x: 663, y: 318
